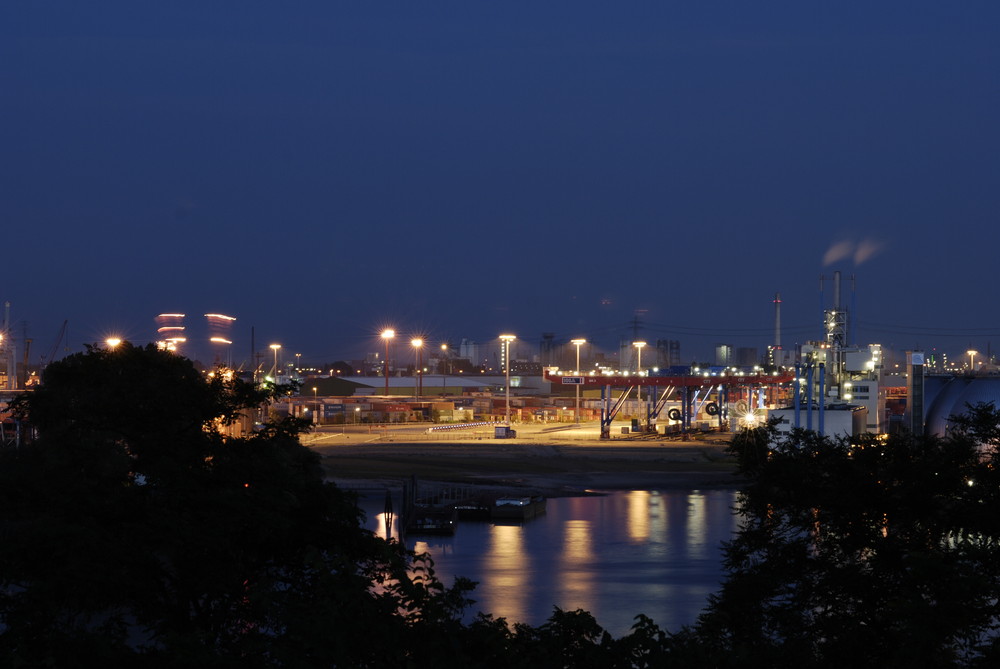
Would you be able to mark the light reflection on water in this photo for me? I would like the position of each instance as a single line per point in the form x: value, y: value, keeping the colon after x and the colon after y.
x: 502, y: 562
x: 618, y: 555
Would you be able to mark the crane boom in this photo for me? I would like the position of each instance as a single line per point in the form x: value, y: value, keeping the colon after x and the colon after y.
x: 55, y: 347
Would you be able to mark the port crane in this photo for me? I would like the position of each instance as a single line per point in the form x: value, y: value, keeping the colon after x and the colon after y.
x: 55, y: 347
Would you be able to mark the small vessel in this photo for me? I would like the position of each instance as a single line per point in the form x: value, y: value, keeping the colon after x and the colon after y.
x: 438, y: 520
x: 518, y: 508
x: 474, y: 509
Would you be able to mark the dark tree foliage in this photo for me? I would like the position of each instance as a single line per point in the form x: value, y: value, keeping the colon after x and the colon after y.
x: 751, y: 446
x: 134, y: 532
x: 863, y: 553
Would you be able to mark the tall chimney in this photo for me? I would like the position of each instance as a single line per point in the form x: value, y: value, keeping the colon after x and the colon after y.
x: 836, y: 291
x: 852, y: 321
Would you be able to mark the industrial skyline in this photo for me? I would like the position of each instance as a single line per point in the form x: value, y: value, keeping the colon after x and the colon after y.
x: 327, y: 170
x: 214, y: 338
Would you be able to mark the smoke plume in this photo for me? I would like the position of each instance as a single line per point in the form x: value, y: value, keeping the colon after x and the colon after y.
x: 867, y: 249
x: 838, y: 252
x: 861, y: 252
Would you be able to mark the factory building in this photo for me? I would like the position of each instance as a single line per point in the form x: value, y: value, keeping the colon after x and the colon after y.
x: 832, y: 420
x: 838, y: 388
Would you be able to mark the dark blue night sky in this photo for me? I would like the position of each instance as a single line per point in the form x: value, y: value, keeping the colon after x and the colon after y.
x: 323, y: 169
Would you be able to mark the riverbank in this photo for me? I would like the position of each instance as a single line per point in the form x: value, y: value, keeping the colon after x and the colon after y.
x: 563, y: 463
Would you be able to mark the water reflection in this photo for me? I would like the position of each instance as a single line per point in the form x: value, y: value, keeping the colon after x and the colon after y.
x: 695, y: 523
x: 508, y: 565
x: 639, y: 514
x: 575, y: 571
x: 577, y: 541
x: 617, y: 555
x: 382, y: 521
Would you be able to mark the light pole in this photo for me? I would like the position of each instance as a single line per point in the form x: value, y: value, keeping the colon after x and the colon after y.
x: 387, y: 335
x: 638, y: 361
x: 638, y: 368
x: 275, y: 348
x: 578, y: 343
x: 315, y: 406
x: 444, y: 369
x: 507, y: 339
x: 972, y: 360
x: 418, y: 344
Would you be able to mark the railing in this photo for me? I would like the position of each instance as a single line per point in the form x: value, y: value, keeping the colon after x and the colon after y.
x: 456, y: 435
x: 462, y: 426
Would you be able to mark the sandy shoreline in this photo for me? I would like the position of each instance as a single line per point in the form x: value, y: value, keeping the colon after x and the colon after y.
x: 561, y: 464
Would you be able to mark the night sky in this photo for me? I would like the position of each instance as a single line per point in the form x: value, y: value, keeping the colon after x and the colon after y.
x: 321, y: 170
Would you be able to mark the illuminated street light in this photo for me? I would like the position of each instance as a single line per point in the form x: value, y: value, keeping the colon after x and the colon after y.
x: 113, y: 342
x: 315, y: 406
x: 275, y: 348
x: 972, y: 360
x: 418, y: 344
x: 445, y: 364
x: 638, y: 362
x: 638, y: 368
x: 507, y: 339
x: 578, y: 343
x: 387, y: 335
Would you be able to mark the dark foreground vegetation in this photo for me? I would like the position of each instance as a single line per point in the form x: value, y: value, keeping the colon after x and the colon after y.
x: 134, y: 532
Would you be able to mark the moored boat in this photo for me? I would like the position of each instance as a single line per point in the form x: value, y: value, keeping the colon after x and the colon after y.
x: 474, y: 509
x: 433, y: 521
x: 518, y: 508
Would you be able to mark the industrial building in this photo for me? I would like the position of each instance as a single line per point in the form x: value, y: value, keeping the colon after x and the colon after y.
x: 837, y: 387
x: 934, y: 398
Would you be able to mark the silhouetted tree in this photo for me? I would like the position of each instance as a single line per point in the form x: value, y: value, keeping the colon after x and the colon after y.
x: 133, y: 531
x: 752, y: 445
x: 864, y: 553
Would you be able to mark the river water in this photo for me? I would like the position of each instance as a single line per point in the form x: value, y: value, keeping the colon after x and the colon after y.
x: 616, y: 555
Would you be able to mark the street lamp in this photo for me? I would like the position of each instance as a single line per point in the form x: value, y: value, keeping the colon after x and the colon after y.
x: 972, y: 360
x: 275, y: 348
x: 387, y: 335
x: 578, y: 343
x: 638, y: 361
x: 638, y: 368
x: 418, y: 344
x: 113, y: 342
x: 444, y: 368
x: 315, y: 405
x: 507, y: 339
